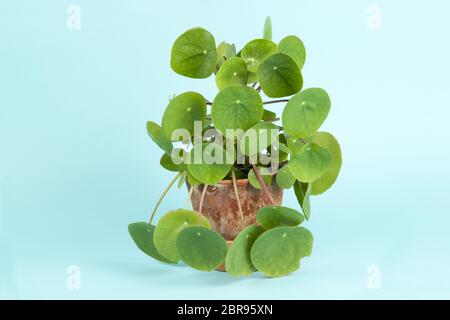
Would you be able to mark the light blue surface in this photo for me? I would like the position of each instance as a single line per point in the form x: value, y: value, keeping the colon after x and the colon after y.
x: 77, y: 166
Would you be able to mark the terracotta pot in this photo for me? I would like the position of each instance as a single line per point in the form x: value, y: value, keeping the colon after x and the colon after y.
x: 221, y: 208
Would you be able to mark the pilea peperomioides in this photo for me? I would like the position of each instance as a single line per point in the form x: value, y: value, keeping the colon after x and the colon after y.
x: 236, y: 158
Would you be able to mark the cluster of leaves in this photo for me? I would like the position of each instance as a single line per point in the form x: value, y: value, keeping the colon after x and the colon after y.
x: 273, y: 247
x: 309, y: 160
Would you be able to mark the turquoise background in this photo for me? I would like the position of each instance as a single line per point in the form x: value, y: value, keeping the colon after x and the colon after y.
x: 77, y: 166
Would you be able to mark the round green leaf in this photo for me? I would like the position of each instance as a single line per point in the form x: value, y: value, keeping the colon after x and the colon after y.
x: 310, y: 163
x: 253, y: 180
x: 182, y: 112
x: 256, y: 51
x: 232, y: 72
x: 294, y: 48
x: 328, y: 141
x: 277, y: 252
x: 194, y: 54
x: 278, y: 216
x: 201, y: 248
x: 142, y: 235
x: 258, y: 138
x: 168, y: 228
x: 284, y: 178
x: 238, y: 262
x: 209, y: 163
x: 157, y: 134
x: 224, y: 52
x: 305, y: 112
x: 280, y: 76
x: 236, y: 107
x: 295, y: 145
x: 167, y: 163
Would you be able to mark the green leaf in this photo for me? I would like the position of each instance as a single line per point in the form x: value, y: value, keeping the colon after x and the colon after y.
x: 305, y: 112
x: 181, y: 179
x: 277, y: 252
x: 284, y: 178
x: 278, y: 216
x: 294, y: 48
x: 238, y: 262
x: 258, y: 138
x: 236, y: 107
x: 310, y: 163
x: 192, y: 181
x: 280, y: 76
x: 232, y: 72
x: 201, y: 248
x: 267, y: 32
x: 167, y: 163
x: 224, y: 52
x: 302, y: 193
x: 168, y: 228
x: 194, y: 54
x: 253, y: 180
x: 269, y: 116
x: 157, y: 134
x: 252, y: 77
x: 142, y: 235
x: 209, y: 163
x: 256, y: 51
x: 182, y: 112
x: 295, y: 145
x: 328, y: 141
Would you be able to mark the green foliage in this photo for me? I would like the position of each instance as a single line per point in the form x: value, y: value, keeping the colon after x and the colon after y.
x: 181, y: 113
x: 308, y: 161
x: 238, y: 262
x: 142, y: 235
x: 213, y: 165
x: 201, y: 248
x: 327, y: 141
x: 305, y: 112
x: 267, y: 32
x: 194, y: 54
x: 284, y: 178
x: 278, y: 216
x: 256, y: 51
x: 168, y: 228
x: 277, y: 252
x: 157, y: 134
x: 293, y: 47
x: 302, y: 193
x: 258, y: 138
x: 236, y: 107
x: 280, y: 76
x: 232, y: 72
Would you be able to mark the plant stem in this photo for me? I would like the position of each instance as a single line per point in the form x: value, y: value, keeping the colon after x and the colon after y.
x: 276, y: 101
x: 241, y: 215
x: 263, y: 184
x: 162, y: 196
x: 191, y: 190
x: 202, y: 198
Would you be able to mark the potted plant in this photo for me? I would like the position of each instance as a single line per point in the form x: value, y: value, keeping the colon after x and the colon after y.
x: 236, y: 158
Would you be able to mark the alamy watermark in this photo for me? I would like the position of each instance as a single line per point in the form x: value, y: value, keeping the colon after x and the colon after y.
x: 73, y: 281
x: 213, y: 147
x: 73, y: 21
x: 373, y: 281
x: 374, y: 17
